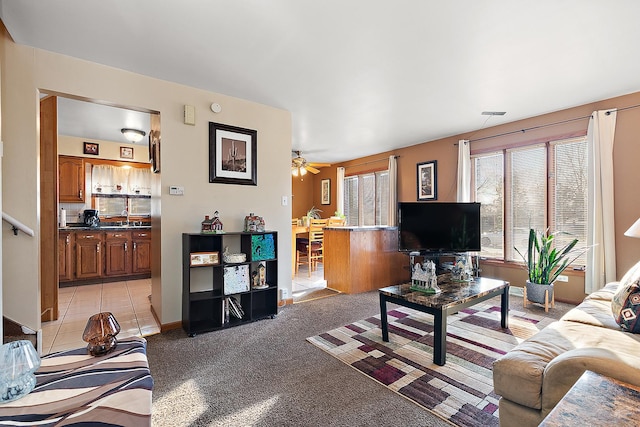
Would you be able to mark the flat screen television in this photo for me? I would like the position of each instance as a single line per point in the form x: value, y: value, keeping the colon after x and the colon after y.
x: 438, y: 227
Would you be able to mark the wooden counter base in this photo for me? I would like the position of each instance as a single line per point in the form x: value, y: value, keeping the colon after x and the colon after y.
x: 362, y: 259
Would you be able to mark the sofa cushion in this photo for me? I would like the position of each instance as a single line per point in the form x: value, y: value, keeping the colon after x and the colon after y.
x: 606, y: 293
x: 625, y: 304
x: 593, y: 311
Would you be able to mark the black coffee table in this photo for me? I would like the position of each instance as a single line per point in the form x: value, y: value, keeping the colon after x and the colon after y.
x: 454, y: 297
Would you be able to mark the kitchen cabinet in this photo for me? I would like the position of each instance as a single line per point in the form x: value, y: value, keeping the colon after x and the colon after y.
x: 141, y: 252
x: 117, y: 253
x: 88, y: 254
x: 71, y: 179
x: 93, y: 255
x: 66, y: 240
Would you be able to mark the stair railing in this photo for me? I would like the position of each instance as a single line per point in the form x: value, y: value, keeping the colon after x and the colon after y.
x: 17, y: 225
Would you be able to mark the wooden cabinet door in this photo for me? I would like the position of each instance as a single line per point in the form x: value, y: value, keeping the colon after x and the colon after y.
x: 117, y: 253
x: 71, y: 179
x: 141, y: 252
x: 88, y: 255
x: 65, y: 258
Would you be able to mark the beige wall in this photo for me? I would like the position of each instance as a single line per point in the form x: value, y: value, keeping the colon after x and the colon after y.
x: 74, y: 146
x: 626, y: 157
x: 184, y: 161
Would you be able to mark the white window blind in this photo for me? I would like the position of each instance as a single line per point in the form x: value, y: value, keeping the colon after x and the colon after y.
x: 569, y: 198
x: 351, y: 200
x: 537, y: 186
x: 366, y: 199
x: 488, y: 184
x: 528, y: 195
x: 382, y: 197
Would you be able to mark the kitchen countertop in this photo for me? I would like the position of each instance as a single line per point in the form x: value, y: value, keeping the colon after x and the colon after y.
x: 104, y: 228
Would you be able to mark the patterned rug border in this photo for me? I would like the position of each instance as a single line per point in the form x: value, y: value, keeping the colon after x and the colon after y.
x: 408, y: 363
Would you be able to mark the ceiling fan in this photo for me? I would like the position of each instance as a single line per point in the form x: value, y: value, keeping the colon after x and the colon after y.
x: 300, y: 166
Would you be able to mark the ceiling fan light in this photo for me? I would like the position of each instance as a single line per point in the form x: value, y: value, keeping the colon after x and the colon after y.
x: 303, y: 171
x: 294, y: 171
x: 133, y: 135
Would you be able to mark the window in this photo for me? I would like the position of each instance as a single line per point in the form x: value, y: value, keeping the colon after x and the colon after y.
x: 366, y: 199
x: 536, y: 186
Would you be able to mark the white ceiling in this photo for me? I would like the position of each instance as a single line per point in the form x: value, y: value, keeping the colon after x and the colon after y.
x: 360, y: 76
x: 94, y: 121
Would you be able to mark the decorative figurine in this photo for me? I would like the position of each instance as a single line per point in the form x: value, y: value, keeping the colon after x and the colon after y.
x: 253, y: 222
x: 216, y: 224
x: 424, y: 278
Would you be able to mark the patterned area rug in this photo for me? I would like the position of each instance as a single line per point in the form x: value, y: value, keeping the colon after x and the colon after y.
x: 460, y: 392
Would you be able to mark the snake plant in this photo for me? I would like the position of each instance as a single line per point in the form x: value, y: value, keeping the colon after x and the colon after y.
x: 543, y: 261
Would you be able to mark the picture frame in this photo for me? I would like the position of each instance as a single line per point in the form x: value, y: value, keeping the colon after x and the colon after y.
x: 154, y: 151
x: 126, y: 152
x: 91, y: 148
x: 203, y: 259
x: 232, y: 155
x: 427, y: 180
x: 325, y: 191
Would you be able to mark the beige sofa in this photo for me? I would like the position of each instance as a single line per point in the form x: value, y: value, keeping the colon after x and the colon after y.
x: 533, y: 377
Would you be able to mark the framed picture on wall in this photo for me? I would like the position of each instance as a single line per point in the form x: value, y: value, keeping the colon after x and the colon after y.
x: 126, y: 152
x: 91, y: 148
x: 427, y: 181
x: 154, y: 151
x: 325, y: 192
x: 232, y: 155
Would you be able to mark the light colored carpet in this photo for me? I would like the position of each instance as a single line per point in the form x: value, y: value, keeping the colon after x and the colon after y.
x: 266, y: 374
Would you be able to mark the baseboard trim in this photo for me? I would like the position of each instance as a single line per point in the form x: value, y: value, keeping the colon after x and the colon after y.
x: 170, y: 326
x: 167, y: 326
x: 283, y: 302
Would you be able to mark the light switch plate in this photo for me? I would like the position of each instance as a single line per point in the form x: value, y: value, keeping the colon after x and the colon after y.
x: 189, y: 115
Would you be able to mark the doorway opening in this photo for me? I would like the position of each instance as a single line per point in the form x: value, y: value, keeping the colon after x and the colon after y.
x: 67, y: 124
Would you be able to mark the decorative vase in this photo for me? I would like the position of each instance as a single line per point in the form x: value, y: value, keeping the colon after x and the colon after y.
x: 536, y: 291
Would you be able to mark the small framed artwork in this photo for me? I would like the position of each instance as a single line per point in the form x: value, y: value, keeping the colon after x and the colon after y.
x: 91, y: 148
x: 427, y: 181
x: 201, y: 259
x: 325, y: 192
x: 126, y: 152
x: 232, y: 155
x: 154, y: 151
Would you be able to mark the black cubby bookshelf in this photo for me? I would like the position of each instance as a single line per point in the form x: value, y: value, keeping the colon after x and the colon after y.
x: 206, y: 310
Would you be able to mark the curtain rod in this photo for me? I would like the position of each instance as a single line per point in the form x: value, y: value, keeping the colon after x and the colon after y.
x: 548, y: 124
x: 369, y: 162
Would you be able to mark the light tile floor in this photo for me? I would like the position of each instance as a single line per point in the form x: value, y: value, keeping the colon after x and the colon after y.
x: 302, y: 283
x: 127, y: 300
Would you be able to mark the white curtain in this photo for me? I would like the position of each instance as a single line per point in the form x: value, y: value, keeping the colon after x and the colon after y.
x: 139, y: 181
x: 393, y: 191
x: 340, y: 190
x: 464, y: 171
x: 601, y: 258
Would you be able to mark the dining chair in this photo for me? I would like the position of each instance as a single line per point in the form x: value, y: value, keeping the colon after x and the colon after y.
x: 311, y: 250
x: 294, y: 221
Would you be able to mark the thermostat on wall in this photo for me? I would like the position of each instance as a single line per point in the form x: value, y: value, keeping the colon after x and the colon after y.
x: 215, y: 107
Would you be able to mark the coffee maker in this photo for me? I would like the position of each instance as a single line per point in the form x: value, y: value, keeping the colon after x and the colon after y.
x: 91, y: 218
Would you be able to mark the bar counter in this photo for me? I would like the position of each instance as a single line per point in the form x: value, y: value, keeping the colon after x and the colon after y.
x: 362, y: 259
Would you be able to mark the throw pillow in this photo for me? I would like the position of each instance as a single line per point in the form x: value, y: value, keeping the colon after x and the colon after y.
x: 625, y: 304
